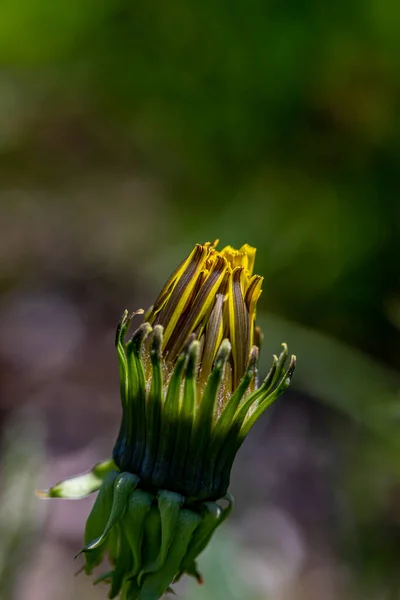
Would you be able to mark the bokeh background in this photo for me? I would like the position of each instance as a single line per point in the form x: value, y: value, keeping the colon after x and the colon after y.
x: 128, y: 132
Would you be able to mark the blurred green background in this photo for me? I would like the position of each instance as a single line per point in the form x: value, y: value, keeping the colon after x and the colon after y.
x: 128, y: 132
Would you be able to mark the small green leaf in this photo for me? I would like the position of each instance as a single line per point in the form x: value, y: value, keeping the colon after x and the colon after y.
x: 82, y: 485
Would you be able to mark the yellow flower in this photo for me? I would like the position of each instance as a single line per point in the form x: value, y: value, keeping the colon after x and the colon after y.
x: 190, y: 395
x: 212, y: 294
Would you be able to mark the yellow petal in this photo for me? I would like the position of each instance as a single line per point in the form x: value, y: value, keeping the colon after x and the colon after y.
x: 185, y: 282
x: 252, y: 295
x: 199, y: 307
x: 250, y: 253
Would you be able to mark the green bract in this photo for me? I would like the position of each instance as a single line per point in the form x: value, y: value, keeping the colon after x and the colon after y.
x: 189, y: 397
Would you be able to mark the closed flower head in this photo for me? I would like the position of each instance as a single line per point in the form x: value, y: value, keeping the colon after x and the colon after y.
x: 190, y: 395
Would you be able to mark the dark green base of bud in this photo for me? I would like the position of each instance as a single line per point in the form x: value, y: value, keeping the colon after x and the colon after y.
x: 181, y: 432
x: 197, y: 477
x: 151, y: 539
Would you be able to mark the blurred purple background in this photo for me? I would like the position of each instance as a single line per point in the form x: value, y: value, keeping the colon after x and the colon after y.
x: 127, y: 134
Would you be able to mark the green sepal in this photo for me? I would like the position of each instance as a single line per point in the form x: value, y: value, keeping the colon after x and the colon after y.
x: 247, y: 415
x: 186, y: 419
x: 169, y: 424
x: 151, y: 540
x: 204, y: 420
x: 225, y: 420
x: 124, y: 485
x: 229, y: 445
x: 121, y: 449
x: 265, y: 388
x: 213, y: 515
x: 122, y: 328
x: 266, y: 401
x: 188, y: 405
x: 97, y: 521
x: 136, y: 412
x: 82, y: 485
x: 224, y: 423
x: 113, y: 542
x: 153, y: 405
x: 130, y: 590
x: 280, y: 365
x: 155, y: 584
x: 169, y: 504
x: 139, y: 505
x: 124, y: 563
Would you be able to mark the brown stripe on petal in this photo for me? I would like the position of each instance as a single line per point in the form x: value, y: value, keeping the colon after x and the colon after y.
x: 173, y: 308
x: 199, y: 283
x: 198, y: 309
x: 212, y: 337
x: 167, y: 289
x: 169, y: 286
x: 239, y: 324
x: 253, y: 292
